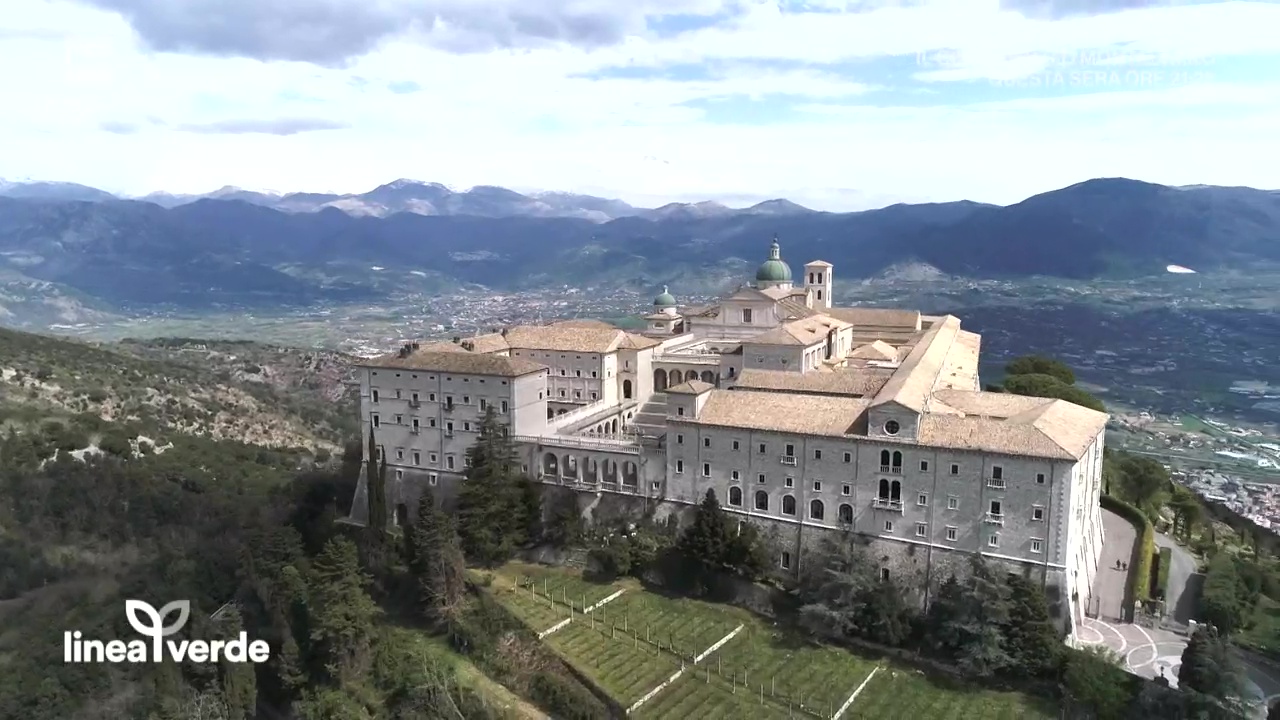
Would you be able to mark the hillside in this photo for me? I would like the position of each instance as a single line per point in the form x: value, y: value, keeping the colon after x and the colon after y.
x: 213, y: 252
x: 274, y: 397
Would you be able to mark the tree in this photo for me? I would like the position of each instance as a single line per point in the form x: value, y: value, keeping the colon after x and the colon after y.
x: 1048, y: 386
x: 1093, y: 678
x: 436, y: 562
x: 1030, y: 638
x: 845, y: 596
x: 967, y: 620
x: 376, y: 483
x: 1187, y: 511
x: 494, y: 501
x: 1038, y: 365
x: 707, y: 542
x: 1224, y: 598
x: 1209, y: 666
x: 343, y: 612
x: 239, y: 680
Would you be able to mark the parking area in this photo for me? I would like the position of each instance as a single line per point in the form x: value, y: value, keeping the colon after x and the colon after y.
x: 1149, y: 652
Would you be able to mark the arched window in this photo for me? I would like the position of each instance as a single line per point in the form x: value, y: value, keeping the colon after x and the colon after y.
x: 788, y: 505
x: 884, y: 489
x: 732, y: 371
x: 762, y: 500
x: 626, y: 389
x: 895, y: 493
x: 550, y: 465
x: 897, y: 460
x: 816, y: 510
x: 550, y: 413
x: 884, y: 458
x: 735, y: 496
x: 846, y: 513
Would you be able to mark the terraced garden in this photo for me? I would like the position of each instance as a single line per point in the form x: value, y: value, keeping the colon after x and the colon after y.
x: 899, y: 694
x: 632, y: 643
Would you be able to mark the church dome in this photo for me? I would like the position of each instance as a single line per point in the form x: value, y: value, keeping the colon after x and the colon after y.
x: 774, y: 270
x: 665, y: 300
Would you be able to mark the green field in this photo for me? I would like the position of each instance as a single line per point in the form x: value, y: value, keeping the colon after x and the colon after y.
x: 638, y: 640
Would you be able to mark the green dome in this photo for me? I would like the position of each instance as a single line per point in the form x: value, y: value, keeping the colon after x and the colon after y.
x: 774, y: 269
x: 664, y: 300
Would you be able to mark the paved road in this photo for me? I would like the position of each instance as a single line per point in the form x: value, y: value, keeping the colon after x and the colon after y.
x: 1109, y: 584
x: 1184, y: 581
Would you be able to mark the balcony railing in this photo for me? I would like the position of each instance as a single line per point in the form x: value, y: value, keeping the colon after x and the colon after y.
x: 891, y: 469
x: 994, y: 518
x: 415, y: 403
x: 448, y: 433
x: 995, y: 484
x: 416, y: 429
x: 887, y: 504
x: 449, y: 407
x: 787, y: 459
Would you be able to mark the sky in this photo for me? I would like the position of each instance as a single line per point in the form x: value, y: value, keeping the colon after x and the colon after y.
x: 835, y: 104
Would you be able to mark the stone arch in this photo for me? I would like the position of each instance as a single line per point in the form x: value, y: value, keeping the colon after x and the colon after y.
x: 592, y: 468
x: 691, y: 376
x: 895, y: 491
x: 550, y: 464
x: 884, y: 489
x: 884, y: 458
x: 762, y: 500
x: 659, y: 380
x: 570, y: 465
x: 788, y: 505
x: 626, y: 389
x: 630, y: 473
x: 708, y: 377
x: 817, y: 511
x: 613, y: 427
x: 897, y: 459
x: 735, y: 496
x: 846, y: 513
x: 610, y: 468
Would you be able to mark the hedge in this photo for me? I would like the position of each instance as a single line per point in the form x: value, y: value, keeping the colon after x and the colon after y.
x: 1140, y: 573
x: 1162, y: 574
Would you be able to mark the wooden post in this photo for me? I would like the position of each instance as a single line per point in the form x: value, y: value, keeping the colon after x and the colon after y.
x: 772, y: 692
x: 733, y: 683
x: 708, y: 673
x: 719, y: 670
x: 761, y: 693
x: 624, y: 622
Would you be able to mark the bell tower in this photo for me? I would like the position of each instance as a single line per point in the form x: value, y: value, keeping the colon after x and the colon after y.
x: 817, y: 280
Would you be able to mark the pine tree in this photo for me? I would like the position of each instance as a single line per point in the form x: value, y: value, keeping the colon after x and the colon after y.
x: 436, y: 564
x: 1209, y: 666
x: 342, y: 612
x: 1030, y: 638
x: 376, y: 483
x: 493, y: 502
x: 239, y: 680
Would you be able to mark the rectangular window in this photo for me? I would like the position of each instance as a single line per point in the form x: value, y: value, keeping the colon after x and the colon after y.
x: 760, y: 478
x: 791, y: 450
x: 466, y: 426
x: 399, y: 453
x: 1037, y: 513
x: 846, y: 489
x: 432, y: 478
x: 922, y: 499
x: 416, y: 423
x: 995, y: 507
x: 679, y: 438
x: 706, y: 469
x: 417, y: 458
x: 399, y: 474
x: 680, y: 410
x: 1039, y: 478
x: 1037, y: 545
x: 955, y: 469
x: 431, y: 422
x: 997, y: 472
x: 431, y: 397
x: 993, y: 541
x: 448, y: 462
x: 762, y: 449
x: 817, y: 454
x: 953, y: 503
x: 746, y: 315
x: 736, y: 446
x: 377, y: 422
x: 922, y: 529
x: 679, y: 467
x: 817, y: 486
x: 884, y: 574
x: 399, y: 419
x: 951, y: 533
x: 380, y: 452
x: 413, y: 398
x: 848, y: 457
x: 433, y: 458
x: 504, y: 406
x: 785, y: 561
x: 374, y: 394
x: 888, y: 526
x: 484, y: 404
x: 924, y: 466
x: 706, y: 442
x: 736, y: 475
x: 790, y: 482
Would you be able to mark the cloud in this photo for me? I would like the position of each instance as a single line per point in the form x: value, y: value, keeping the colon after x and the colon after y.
x: 278, y: 126
x: 403, y: 87
x: 1056, y: 9
x: 118, y: 128
x: 333, y: 32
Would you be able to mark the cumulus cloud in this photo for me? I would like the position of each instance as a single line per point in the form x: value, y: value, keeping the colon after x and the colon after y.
x: 276, y: 126
x: 1072, y: 8
x: 332, y: 32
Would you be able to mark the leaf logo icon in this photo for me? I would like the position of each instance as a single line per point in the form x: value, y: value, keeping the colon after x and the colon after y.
x: 146, y: 620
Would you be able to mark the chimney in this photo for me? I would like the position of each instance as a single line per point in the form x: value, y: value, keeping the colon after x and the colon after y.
x: 416, y: 346
x: 504, y: 332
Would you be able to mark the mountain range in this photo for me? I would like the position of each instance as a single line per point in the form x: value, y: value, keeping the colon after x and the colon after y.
x: 85, y: 246
x: 419, y: 198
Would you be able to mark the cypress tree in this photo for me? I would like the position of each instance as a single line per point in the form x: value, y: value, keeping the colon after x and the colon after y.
x: 436, y: 564
x: 494, y: 501
x: 342, y: 611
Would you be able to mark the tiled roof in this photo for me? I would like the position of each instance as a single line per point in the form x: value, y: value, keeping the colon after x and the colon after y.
x: 861, y: 317
x: 914, y: 380
x: 564, y: 338
x: 691, y: 387
x: 584, y: 323
x: 632, y: 341
x: 805, y: 332
x: 878, y: 350
x: 463, y: 363
x: 859, y: 382
x: 781, y: 412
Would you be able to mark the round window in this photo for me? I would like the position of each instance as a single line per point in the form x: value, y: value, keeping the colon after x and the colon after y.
x: 892, y: 427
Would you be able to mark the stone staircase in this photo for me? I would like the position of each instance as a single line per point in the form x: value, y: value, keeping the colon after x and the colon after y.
x: 651, y: 420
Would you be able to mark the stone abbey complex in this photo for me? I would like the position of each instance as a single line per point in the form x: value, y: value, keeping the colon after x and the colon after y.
x: 805, y: 418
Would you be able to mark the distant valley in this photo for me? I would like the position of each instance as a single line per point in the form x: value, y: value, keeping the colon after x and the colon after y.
x: 70, y: 253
